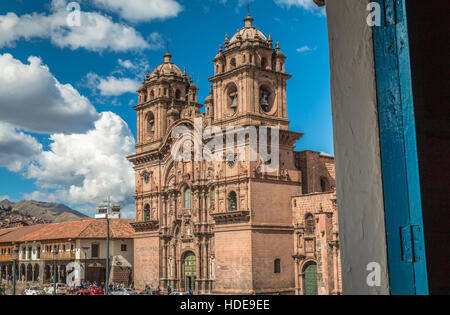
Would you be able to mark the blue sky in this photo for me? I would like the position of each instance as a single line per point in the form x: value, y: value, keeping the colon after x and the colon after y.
x: 98, y: 72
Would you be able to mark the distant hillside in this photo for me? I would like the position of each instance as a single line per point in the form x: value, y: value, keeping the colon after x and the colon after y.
x: 52, y: 212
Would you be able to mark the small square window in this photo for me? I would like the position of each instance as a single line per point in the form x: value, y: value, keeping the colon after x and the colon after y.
x: 123, y: 247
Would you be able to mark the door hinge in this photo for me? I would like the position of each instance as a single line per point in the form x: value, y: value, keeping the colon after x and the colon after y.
x: 412, y: 243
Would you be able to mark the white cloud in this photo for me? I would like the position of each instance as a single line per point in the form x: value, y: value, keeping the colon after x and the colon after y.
x: 97, y: 32
x: 156, y: 41
x: 17, y: 149
x: 136, y: 67
x: 5, y: 197
x: 33, y: 99
x: 308, y: 5
x: 85, y: 168
x: 127, y: 64
x: 112, y: 86
x: 141, y: 10
x: 305, y: 49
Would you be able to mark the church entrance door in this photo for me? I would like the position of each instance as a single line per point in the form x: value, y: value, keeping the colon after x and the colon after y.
x: 189, y: 271
x: 311, y: 279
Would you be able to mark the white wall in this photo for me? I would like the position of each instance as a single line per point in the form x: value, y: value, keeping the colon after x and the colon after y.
x: 356, y: 141
x: 114, y: 249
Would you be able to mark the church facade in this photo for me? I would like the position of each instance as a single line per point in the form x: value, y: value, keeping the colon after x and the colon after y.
x: 222, y: 226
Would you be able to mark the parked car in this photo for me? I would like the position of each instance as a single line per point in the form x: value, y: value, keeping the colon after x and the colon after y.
x: 179, y: 293
x: 96, y: 290
x: 124, y: 291
x: 61, y: 289
x: 82, y: 292
x: 33, y: 290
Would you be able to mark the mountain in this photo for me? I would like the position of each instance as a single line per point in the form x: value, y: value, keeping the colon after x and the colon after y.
x: 52, y: 212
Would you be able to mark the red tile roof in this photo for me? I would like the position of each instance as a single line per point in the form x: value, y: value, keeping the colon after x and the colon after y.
x: 16, y: 234
x: 85, y: 228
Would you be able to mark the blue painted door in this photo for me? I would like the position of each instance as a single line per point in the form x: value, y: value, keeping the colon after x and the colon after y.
x: 403, y: 209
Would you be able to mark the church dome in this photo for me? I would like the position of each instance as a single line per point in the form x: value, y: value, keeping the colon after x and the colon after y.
x: 248, y: 32
x: 167, y: 68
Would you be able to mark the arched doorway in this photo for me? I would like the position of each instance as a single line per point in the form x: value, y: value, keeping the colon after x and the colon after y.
x: 47, y: 273
x: 36, y: 273
x: 189, y: 271
x: 310, y: 278
x: 22, y: 272
x: 29, y: 275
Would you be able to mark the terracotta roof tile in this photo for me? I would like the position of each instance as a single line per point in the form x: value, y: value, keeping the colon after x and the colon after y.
x: 58, y: 231
x: 86, y: 228
x: 17, y: 234
x: 117, y: 229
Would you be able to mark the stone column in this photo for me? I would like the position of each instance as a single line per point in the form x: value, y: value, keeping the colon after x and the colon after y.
x: 296, y: 273
x: 205, y: 264
x: 198, y: 267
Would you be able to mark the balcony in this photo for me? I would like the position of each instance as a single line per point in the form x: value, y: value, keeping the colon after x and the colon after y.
x: 67, y: 255
x: 145, y: 226
x: 231, y: 216
x: 5, y: 258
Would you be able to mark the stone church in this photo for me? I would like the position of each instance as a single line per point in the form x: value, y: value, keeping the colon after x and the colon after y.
x: 225, y: 226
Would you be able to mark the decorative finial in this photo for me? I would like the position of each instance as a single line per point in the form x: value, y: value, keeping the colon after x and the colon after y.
x: 220, y: 48
x: 278, y: 46
x: 167, y: 55
x: 248, y: 20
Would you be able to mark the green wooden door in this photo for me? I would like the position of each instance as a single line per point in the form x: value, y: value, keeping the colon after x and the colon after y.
x: 190, y: 271
x: 311, y: 279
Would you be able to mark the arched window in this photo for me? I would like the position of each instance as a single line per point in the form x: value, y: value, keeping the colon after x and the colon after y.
x: 277, y: 266
x: 232, y: 201
x: 150, y: 124
x: 309, y: 224
x: 152, y: 94
x: 213, y: 195
x: 147, y: 213
x: 233, y: 63
x: 187, y: 198
x: 323, y: 184
x: 233, y: 98
x: 264, y: 63
x: 178, y: 94
x: 266, y: 99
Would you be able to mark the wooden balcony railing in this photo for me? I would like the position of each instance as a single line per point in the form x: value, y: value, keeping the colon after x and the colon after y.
x: 61, y: 255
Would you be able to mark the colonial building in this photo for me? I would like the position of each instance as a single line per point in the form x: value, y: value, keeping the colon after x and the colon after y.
x: 80, y: 241
x: 221, y: 226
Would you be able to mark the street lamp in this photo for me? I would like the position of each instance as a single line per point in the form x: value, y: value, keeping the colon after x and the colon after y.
x: 55, y: 256
x: 104, y: 211
x: 15, y: 255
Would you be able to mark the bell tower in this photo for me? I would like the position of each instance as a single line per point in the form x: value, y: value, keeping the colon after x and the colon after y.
x: 249, y: 80
x: 163, y: 96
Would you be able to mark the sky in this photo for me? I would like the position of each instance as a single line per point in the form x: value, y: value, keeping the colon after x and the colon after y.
x: 67, y: 90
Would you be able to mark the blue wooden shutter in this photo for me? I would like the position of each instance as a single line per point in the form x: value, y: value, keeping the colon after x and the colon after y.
x: 401, y: 185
